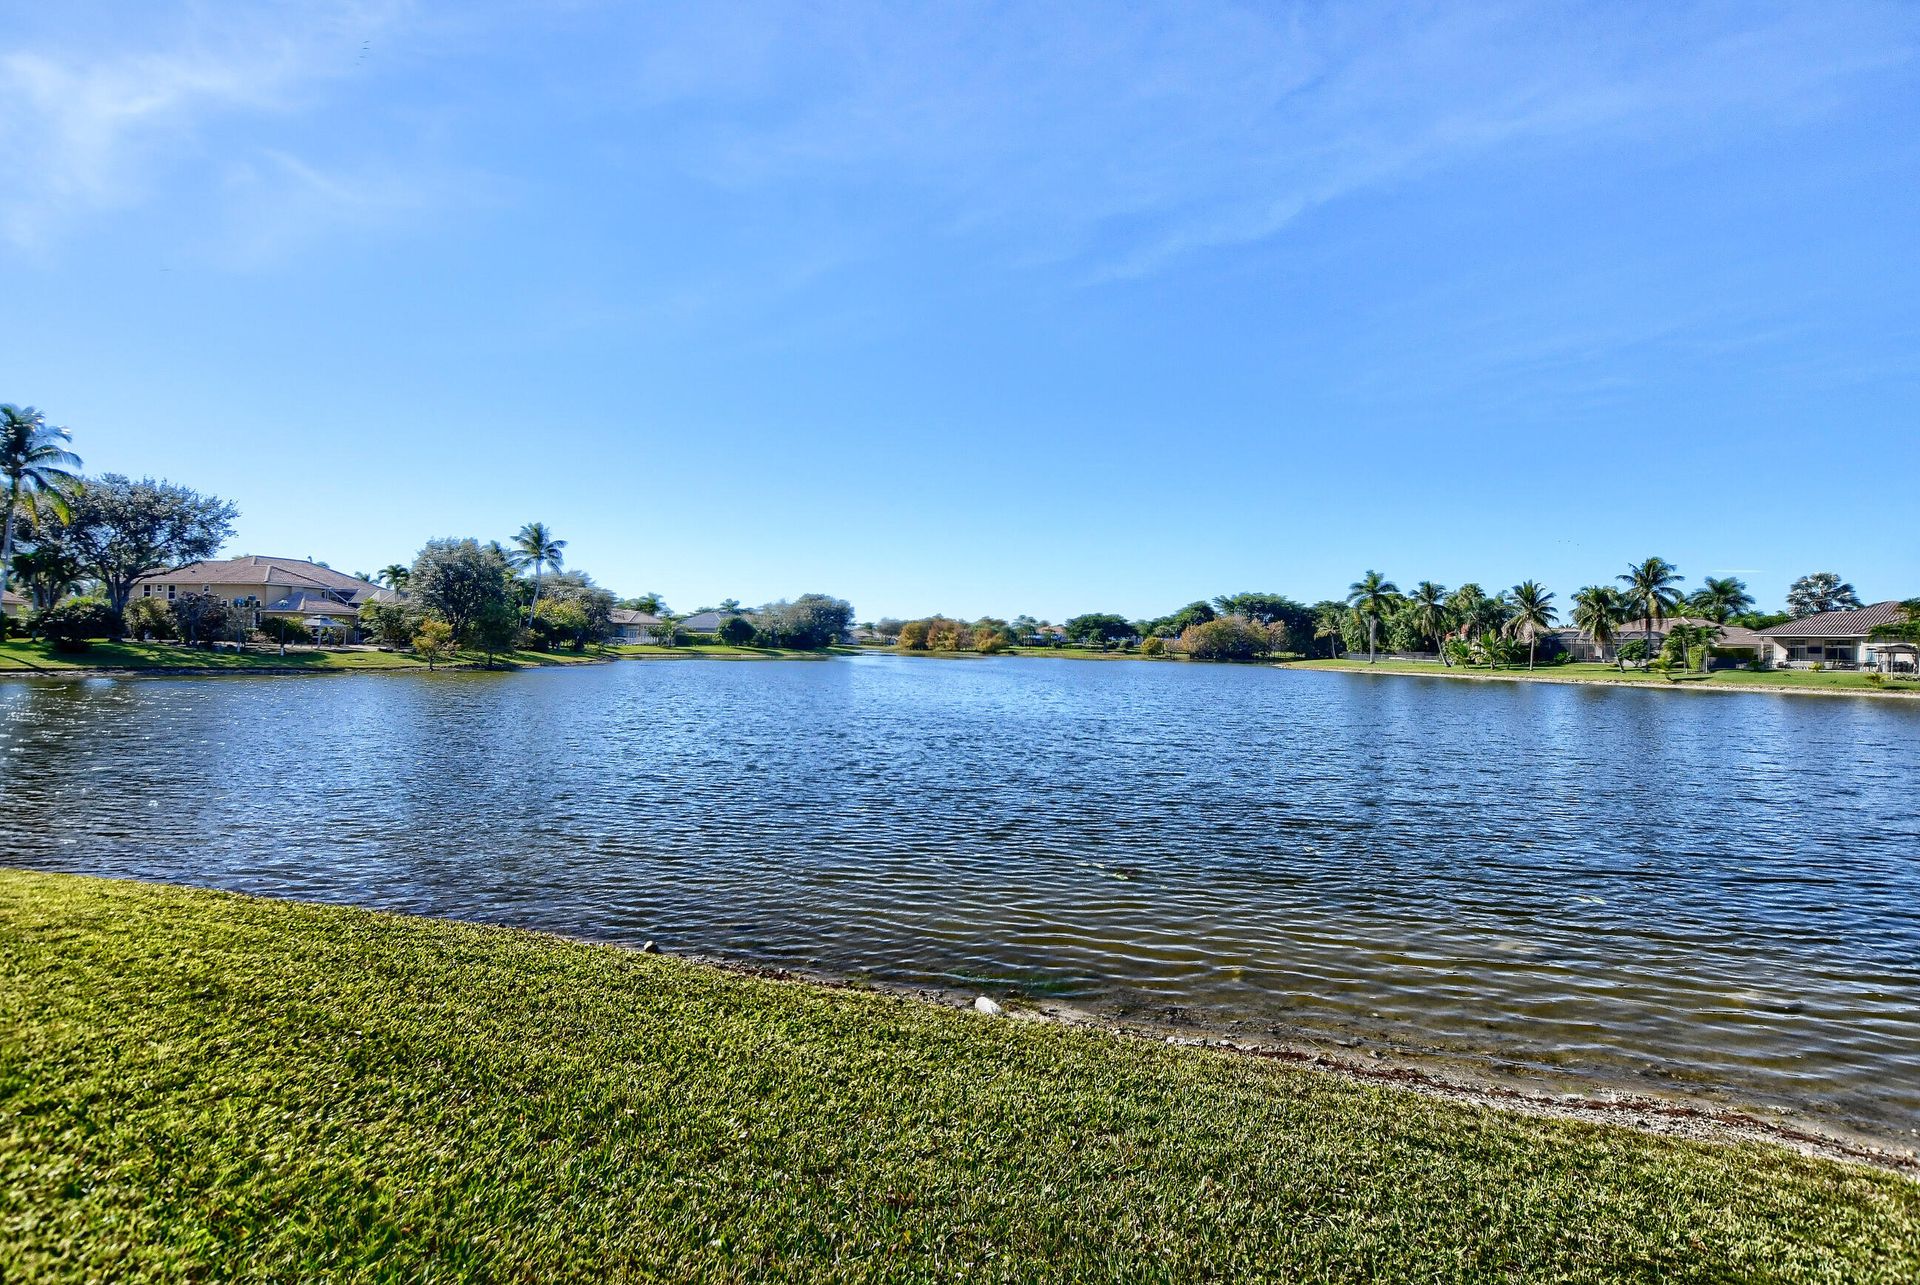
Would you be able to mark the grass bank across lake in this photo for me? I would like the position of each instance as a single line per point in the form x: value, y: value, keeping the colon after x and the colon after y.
x: 199, y: 1084
x: 1775, y: 680
x: 26, y: 657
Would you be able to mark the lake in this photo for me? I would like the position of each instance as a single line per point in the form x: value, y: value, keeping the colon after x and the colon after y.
x: 1667, y: 892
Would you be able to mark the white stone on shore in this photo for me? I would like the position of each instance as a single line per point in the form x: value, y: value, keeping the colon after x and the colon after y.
x: 981, y: 1004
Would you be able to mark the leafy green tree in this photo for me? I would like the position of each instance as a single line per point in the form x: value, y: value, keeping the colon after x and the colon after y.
x: 535, y: 548
x: 435, y: 640
x: 457, y: 580
x: 395, y: 577
x: 151, y: 618
x: 1721, y: 599
x: 735, y: 631
x: 47, y: 570
x: 35, y: 463
x: 120, y: 530
x: 1821, y: 592
x: 1427, y: 612
x: 1228, y: 638
x: 1533, y: 615
x: 1372, y: 597
x: 390, y: 624
x: 201, y: 617
x: 1651, y: 590
x: 1098, y: 628
x: 1634, y: 650
x: 651, y: 603
x: 1691, y: 645
x: 912, y: 636
x: 496, y: 627
x: 1597, y: 609
x: 810, y: 622
x: 72, y: 624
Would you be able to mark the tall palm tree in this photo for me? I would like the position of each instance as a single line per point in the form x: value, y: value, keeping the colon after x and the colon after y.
x: 37, y: 466
x: 1533, y: 614
x: 1651, y: 592
x: 1596, y: 610
x: 1329, y: 618
x: 729, y: 606
x: 535, y: 547
x: 395, y: 577
x: 1722, y: 599
x: 1373, y: 596
x: 1427, y: 608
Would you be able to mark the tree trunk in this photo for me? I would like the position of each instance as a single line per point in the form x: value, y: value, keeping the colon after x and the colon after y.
x: 1373, y: 628
x: 6, y: 543
x: 1532, y: 643
x: 536, y: 595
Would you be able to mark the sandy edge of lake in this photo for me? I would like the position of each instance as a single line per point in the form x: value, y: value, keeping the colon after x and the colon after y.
x: 1626, y: 685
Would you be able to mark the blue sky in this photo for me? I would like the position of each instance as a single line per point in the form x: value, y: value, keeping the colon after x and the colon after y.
x: 1037, y: 307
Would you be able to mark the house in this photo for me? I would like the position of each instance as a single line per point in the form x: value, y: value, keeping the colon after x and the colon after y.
x: 707, y: 622
x: 634, y: 626
x: 319, y: 598
x: 1654, y: 633
x: 1839, y: 640
x: 14, y: 606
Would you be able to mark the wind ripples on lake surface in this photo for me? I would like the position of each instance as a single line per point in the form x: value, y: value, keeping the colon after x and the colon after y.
x: 1666, y: 890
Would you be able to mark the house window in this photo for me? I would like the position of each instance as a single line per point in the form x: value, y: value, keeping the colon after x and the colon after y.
x: 169, y: 593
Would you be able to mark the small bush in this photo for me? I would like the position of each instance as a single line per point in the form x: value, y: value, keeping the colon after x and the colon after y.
x: 1876, y: 680
x: 282, y: 630
x: 735, y: 631
x: 151, y: 618
x: 72, y: 624
x: 1818, y: 666
x: 1153, y: 647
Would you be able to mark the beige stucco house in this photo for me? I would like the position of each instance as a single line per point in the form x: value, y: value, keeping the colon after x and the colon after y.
x: 1839, y: 640
x: 325, y: 601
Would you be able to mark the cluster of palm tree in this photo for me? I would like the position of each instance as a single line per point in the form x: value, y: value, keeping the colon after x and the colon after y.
x: 1469, y: 623
x: 40, y: 474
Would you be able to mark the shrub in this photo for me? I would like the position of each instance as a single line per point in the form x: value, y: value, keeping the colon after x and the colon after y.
x: 1153, y: 647
x: 151, y: 618
x: 913, y: 636
x: 434, y: 642
x: 735, y: 631
x: 390, y: 624
x: 1228, y: 638
x: 282, y: 630
x: 1876, y: 680
x: 1817, y: 666
x: 72, y: 624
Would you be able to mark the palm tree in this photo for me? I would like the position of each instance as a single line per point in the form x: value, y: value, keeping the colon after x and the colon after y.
x: 1372, y: 596
x: 37, y: 465
x: 1596, y: 610
x: 535, y: 547
x: 1328, y: 621
x: 1651, y: 592
x: 729, y: 606
x: 395, y: 577
x: 1692, y: 636
x: 1533, y: 614
x: 1427, y: 609
x: 1722, y: 599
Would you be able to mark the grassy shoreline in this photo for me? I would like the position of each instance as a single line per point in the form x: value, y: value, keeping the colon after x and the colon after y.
x: 196, y: 1080
x: 1785, y: 682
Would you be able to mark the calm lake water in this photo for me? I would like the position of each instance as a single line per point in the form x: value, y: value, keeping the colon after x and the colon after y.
x: 1671, y: 892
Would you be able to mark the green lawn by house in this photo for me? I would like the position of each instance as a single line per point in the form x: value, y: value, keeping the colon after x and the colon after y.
x: 1586, y: 673
x: 195, y: 1084
x: 719, y: 651
x: 19, y: 655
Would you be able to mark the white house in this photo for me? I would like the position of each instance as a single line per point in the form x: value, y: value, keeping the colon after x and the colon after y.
x: 1839, y: 640
x: 634, y: 626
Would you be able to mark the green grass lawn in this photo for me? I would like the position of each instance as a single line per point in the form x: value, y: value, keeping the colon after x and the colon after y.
x: 1827, y: 680
x: 198, y: 1085
x: 19, y: 655
x: 720, y: 651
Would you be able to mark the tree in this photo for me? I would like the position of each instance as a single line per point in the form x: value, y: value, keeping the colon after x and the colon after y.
x: 562, y: 621
x: 395, y: 577
x: 495, y: 628
x: 1820, y: 592
x: 121, y: 530
x: 1427, y: 611
x: 200, y: 616
x: 1691, y: 641
x: 1533, y: 614
x: 457, y: 580
x: 36, y: 463
x: 150, y: 618
x: 577, y: 589
x: 390, y: 624
x: 651, y: 603
x: 1372, y: 596
x: 1596, y: 610
x: 735, y: 631
x: 1720, y: 600
x: 810, y: 622
x: 912, y: 636
x: 535, y: 547
x: 1228, y: 638
x: 1650, y: 589
x: 1906, y: 630
x: 1194, y: 613
x: 434, y: 642
x: 728, y: 606
x: 48, y: 569
x: 1329, y: 622
x: 1098, y: 628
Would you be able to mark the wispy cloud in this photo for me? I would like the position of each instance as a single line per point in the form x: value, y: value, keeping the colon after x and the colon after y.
x: 101, y: 122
